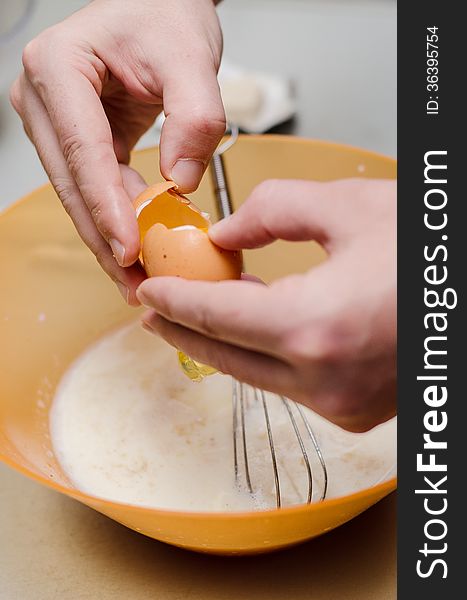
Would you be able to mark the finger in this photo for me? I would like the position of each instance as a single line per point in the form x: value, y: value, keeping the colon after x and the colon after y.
x: 252, y: 278
x: 133, y: 183
x: 85, y: 138
x: 250, y: 367
x: 194, y: 124
x: 236, y: 312
x: 285, y: 209
x: 42, y: 134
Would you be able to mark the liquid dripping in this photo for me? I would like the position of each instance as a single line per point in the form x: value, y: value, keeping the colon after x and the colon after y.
x: 194, y: 370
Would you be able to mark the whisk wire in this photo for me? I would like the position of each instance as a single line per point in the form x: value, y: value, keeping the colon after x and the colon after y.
x: 306, y: 460
x: 235, y: 426
x: 271, y: 447
x: 245, y: 450
x: 318, y: 451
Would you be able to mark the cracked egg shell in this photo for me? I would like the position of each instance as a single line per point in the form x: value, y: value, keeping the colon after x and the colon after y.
x: 189, y: 253
x: 174, y: 238
x: 160, y: 203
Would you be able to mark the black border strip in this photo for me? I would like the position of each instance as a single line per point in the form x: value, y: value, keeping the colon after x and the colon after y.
x: 431, y: 355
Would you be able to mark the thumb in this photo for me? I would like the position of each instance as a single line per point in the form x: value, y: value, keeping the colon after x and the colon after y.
x: 292, y: 210
x: 194, y: 125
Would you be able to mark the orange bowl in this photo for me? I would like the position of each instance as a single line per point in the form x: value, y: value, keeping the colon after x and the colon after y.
x: 56, y: 302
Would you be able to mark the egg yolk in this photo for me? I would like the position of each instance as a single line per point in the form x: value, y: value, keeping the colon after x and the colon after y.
x: 193, y: 369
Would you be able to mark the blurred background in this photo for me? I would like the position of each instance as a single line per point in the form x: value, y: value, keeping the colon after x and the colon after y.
x: 314, y: 68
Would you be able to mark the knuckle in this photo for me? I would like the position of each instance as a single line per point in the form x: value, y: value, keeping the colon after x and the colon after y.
x: 15, y: 97
x: 48, y: 46
x: 80, y: 153
x: 209, y: 320
x: 65, y: 191
x: 205, y: 322
x: 263, y: 191
x: 165, y: 306
x: 99, y: 199
x: 298, y: 350
x: 329, y: 343
x: 340, y: 339
x: 30, y: 56
x: 208, y: 125
x: 72, y: 147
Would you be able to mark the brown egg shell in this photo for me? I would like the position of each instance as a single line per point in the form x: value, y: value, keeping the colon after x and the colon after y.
x: 188, y: 253
x: 160, y: 203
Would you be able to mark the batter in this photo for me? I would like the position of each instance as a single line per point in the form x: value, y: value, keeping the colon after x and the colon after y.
x: 129, y: 426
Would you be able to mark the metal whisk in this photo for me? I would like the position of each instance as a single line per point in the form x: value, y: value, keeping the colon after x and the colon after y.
x: 244, y: 397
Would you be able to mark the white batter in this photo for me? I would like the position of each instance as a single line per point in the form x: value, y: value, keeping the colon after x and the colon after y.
x: 129, y: 426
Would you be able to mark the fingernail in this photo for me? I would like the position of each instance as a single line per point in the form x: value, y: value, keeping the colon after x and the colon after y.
x: 146, y: 326
x: 187, y: 173
x: 142, y: 298
x: 124, y: 291
x: 216, y: 229
x: 118, y: 251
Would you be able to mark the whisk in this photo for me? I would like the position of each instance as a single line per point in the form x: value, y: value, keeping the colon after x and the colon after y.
x: 246, y: 398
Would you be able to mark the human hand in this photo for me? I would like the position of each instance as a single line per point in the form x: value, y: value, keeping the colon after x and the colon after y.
x: 93, y: 84
x: 326, y: 338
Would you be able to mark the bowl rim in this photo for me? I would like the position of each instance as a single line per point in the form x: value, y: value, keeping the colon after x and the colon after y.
x: 377, y: 490
x: 243, y: 137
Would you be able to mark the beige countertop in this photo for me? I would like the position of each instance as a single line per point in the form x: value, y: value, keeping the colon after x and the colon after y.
x: 52, y: 547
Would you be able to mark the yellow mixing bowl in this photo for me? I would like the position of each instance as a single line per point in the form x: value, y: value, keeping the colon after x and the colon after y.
x: 55, y: 301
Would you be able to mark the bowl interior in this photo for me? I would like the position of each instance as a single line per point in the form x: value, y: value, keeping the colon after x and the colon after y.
x: 57, y: 301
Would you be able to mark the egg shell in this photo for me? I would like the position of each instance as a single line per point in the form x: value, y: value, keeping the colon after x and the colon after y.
x: 150, y: 193
x: 188, y: 253
x: 160, y: 203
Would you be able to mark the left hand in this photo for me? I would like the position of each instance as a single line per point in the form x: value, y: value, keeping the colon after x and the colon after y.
x: 326, y: 338
x: 93, y: 84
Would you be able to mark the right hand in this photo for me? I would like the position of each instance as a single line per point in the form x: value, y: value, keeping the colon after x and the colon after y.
x: 93, y: 84
x: 325, y: 338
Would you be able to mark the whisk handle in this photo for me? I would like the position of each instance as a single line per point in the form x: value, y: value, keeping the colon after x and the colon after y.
x: 221, y: 189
